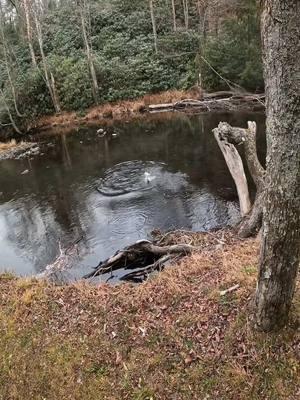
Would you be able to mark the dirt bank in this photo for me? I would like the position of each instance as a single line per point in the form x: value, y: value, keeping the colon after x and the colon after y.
x: 173, y: 337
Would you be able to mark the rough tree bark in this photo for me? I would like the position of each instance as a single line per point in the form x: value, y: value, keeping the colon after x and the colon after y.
x: 280, y: 252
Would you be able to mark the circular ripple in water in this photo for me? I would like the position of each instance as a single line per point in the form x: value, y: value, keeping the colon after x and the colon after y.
x: 122, y: 224
x: 131, y: 176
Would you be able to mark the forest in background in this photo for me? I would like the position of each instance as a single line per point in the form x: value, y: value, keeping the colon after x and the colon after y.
x: 70, y: 55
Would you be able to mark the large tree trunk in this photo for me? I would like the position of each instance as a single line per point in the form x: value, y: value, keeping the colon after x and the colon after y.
x: 280, y: 252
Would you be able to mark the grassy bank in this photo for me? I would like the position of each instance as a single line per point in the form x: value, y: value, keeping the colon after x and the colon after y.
x: 173, y: 337
x: 113, y: 111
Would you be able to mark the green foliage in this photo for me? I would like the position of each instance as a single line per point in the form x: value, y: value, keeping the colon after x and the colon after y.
x: 62, y: 33
x: 236, y: 53
x: 121, y: 38
x: 33, y: 95
x: 72, y: 82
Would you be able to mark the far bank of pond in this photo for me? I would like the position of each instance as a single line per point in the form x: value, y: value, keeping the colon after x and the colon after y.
x: 190, y: 101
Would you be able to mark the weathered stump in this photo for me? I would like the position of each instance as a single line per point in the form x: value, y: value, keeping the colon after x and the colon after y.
x: 228, y: 139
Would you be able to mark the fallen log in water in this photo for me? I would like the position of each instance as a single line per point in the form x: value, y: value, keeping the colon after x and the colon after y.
x: 211, y: 102
x: 143, y: 256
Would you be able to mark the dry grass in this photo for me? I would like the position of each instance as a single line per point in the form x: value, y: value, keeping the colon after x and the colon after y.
x: 8, y: 145
x: 173, y: 337
x: 170, y: 96
x: 116, y: 110
x: 12, y: 149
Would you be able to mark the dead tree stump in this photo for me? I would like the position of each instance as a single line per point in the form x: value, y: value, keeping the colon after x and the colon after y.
x: 228, y: 139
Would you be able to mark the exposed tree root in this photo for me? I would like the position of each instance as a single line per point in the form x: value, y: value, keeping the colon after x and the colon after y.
x: 144, y: 256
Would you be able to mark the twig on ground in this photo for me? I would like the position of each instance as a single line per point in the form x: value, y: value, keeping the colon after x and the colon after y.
x: 230, y: 290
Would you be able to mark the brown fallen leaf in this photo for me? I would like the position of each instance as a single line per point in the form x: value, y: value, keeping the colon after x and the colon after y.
x: 188, y: 360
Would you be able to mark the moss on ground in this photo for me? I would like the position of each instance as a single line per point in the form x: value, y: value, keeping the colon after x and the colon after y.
x: 173, y: 337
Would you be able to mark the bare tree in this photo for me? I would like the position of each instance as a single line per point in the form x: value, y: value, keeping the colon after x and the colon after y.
x: 10, y: 116
x: 31, y: 12
x: 202, y: 9
x: 8, y: 62
x: 27, y: 7
x: 48, y: 76
x: 174, y: 15
x: 153, y: 25
x: 185, y: 4
x: 280, y: 253
x: 85, y: 18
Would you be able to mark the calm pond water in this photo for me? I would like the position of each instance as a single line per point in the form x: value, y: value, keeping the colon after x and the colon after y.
x: 163, y: 171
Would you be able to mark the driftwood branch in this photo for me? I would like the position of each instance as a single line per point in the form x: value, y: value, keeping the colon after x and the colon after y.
x: 228, y: 139
x: 143, y: 256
